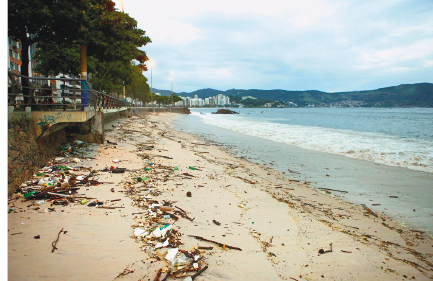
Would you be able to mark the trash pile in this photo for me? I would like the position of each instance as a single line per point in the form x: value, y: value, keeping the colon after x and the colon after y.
x: 59, y: 181
x: 154, y: 224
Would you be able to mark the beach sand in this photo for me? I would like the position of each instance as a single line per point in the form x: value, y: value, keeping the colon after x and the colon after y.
x: 284, y: 230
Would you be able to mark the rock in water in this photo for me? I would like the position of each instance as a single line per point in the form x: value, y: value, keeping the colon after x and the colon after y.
x: 225, y: 111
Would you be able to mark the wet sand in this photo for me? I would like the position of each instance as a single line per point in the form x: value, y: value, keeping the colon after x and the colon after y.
x: 285, y: 229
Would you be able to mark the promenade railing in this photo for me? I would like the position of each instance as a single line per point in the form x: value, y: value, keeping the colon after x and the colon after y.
x: 26, y: 91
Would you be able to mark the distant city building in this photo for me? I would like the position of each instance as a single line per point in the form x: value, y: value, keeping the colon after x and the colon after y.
x: 248, y: 97
x: 219, y: 100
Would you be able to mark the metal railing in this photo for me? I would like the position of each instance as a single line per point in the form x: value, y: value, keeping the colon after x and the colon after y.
x: 26, y: 91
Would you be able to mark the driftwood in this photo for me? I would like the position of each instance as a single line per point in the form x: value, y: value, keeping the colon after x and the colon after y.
x: 199, y: 272
x: 246, y: 180
x: 158, y: 275
x: 184, y: 215
x: 166, y: 276
x: 57, y: 240
x: 218, y: 243
x: 321, y: 251
x: 328, y: 189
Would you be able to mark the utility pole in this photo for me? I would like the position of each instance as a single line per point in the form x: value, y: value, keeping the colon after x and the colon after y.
x: 151, y: 94
x: 171, y: 79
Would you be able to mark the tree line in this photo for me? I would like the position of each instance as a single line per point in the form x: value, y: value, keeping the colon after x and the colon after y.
x: 59, y: 28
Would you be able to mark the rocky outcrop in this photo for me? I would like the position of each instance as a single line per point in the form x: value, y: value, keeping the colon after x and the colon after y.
x: 225, y: 111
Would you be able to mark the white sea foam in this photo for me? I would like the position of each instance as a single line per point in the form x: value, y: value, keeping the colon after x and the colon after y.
x: 412, y: 153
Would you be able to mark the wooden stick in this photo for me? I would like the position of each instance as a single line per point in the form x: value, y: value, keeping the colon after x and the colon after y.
x: 219, y: 244
x: 166, y: 276
x: 55, y: 242
x: 198, y: 273
x: 158, y: 275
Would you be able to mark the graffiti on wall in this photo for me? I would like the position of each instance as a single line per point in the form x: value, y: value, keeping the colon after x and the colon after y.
x: 47, y: 120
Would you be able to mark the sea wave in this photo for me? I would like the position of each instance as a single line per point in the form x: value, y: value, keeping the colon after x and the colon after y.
x: 412, y: 153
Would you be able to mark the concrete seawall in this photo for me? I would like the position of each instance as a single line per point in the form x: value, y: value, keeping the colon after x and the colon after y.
x: 29, y: 149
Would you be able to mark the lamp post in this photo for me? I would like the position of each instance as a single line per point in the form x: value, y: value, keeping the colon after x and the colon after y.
x: 171, y: 80
x: 151, y: 94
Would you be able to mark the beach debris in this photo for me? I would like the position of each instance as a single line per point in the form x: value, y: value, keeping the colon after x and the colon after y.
x: 204, y: 248
x: 246, y: 180
x: 184, y: 214
x: 321, y: 251
x: 198, y: 273
x: 37, y: 237
x: 369, y: 210
x: 124, y: 273
x: 54, y: 244
x: 205, y: 144
x: 16, y: 233
x: 328, y: 189
x: 218, y: 243
x: 217, y: 223
x: 189, y: 194
x: 393, y: 196
x: 167, y: 157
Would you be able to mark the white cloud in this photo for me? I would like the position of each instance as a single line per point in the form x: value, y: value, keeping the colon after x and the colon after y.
x: 173, y: 32
x: 291, y: 44
x: 417, y: 50
x: 223, y: 72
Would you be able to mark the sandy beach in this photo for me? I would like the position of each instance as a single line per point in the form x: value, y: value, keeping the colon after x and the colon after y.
x: 259, y: 224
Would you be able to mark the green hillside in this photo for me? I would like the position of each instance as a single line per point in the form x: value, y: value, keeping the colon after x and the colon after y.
x: 407, y: 95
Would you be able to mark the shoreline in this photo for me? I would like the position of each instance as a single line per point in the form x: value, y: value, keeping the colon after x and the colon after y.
x: 365, y: 182
x: 280, y: 225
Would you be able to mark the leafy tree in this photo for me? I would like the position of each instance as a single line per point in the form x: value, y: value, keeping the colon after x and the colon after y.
x: 33, y: 21
x: 175, y: 98
x: 162, y: 100
x: 114, y: 43
x: 60, y: 27
x: 138, y: 88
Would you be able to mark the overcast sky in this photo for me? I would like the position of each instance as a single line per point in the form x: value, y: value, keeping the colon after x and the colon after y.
x: 325, y: 45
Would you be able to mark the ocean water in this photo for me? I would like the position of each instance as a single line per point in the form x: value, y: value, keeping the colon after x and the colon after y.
x: 372, y: 153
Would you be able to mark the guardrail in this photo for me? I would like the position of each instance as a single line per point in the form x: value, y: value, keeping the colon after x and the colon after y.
x: 29, y: 92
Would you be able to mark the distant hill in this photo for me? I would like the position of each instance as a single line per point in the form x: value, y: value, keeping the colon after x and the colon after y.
x: 406, y: 95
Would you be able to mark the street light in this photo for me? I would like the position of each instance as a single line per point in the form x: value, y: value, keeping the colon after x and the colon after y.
x: 171, y: 80
x: 151, y: 94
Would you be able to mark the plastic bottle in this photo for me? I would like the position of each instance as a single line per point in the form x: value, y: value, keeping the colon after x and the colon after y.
x: 191, y: 168
x: 29, y: 194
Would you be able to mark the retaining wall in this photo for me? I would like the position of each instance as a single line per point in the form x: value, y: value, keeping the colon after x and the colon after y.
x: 26, y: 153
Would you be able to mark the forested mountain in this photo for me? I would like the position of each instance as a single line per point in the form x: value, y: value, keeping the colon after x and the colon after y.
x: 407, y: 95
